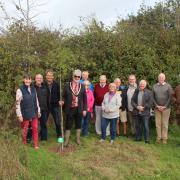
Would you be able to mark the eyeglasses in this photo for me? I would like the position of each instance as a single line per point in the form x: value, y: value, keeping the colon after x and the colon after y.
x: 77, y: 76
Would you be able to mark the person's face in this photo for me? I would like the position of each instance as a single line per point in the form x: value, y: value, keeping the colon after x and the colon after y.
x: 112, y: 88
x: 132, y: 80
x: 49, y: 77
x: 39, y: 79
x: 76, y: 78
x: 27, y: 81
x: 161, y: 79
x: 86, y: 86
x: 102, y: 80
x: 118, y: 83
x: 85, y: 76
x: 142, y: 85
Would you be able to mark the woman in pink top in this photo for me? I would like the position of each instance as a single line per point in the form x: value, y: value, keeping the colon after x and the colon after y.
x: 90, y: 103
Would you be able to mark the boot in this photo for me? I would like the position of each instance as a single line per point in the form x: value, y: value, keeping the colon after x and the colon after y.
x: 78, y: 134
x: 67, y: 135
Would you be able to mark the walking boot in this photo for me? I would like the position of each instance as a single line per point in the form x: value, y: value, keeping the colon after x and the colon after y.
x: 67, y: 135
x: 78, y: 134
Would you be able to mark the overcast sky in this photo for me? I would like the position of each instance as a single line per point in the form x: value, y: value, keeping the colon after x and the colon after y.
x: 68, y: 12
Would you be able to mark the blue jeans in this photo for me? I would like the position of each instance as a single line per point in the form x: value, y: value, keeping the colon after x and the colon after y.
x: 85, y: 124
x: 142, y: 125
x: 43, y: 124
x: 104, y: 124
x: 55, y: 111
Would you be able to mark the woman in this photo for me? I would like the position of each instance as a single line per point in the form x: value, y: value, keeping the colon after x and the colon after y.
x: 110, y: 112
x: 27, y: 109
x: 90, y: 103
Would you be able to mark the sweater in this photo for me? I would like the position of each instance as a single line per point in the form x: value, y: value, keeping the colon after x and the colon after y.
x: 99, y: 93
x: 112, y: 104
x: 162, y: 94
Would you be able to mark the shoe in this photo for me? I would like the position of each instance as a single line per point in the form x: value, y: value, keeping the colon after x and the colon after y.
x: 147, y: 142
x: 137, y: 139
x: 112, y: 142
x: 164, y: 141
x: 101, y: 140
x: 36, y: 147
x: 158, y: 141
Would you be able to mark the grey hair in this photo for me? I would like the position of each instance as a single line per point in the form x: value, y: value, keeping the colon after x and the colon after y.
x: 77, y: 72
x: 117, y: 79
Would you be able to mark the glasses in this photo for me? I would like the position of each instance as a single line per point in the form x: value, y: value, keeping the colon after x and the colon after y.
x: 77, y: 76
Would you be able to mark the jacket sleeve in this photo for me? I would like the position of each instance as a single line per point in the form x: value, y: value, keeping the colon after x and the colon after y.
x: 18, y: 102
x: 170, y: 93
x: 84, y: 99
x: 133, y: 100
x: 148, y: 104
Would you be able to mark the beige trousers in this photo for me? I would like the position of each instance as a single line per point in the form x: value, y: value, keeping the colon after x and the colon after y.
x: 162, y: 121
x: 98, y: 111
x: 132, y: 122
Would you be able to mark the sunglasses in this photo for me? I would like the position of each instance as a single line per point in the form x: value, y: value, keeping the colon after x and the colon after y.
x: 77, y: 76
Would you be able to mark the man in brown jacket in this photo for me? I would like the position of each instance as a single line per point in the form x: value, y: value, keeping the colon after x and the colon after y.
x: 177, y: 101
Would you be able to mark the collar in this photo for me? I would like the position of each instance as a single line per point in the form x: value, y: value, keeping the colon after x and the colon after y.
x: 161, y: 83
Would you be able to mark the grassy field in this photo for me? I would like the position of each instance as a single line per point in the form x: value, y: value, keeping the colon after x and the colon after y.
x: 125, y: 159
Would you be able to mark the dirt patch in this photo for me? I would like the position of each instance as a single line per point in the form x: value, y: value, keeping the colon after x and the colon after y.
x: 66, y: 150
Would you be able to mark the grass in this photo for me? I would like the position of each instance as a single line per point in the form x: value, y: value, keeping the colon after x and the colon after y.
x: 125, y: 159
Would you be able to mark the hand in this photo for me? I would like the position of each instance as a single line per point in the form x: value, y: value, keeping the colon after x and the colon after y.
x: 39, y: 114
x: 84, y: 113
x: 20, y: 119
x: 140, y: 108
x: 107, y: 110
x: 61, y: 103
x: 161, y: 108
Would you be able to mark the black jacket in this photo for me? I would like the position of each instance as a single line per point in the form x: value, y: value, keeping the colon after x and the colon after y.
x: 123, y: 99
x: 42, y: 94
x: 67, y: 98
x: 147, y: 102
x: 53, y: 94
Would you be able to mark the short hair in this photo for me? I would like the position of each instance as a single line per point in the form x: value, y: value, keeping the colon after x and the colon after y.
x: 143, y: 81
x: 132, y: 75
x: 38, y: 75
x: 77, y: 72
x: 117, y: 79
x: 112, y: 84
x: 102, y: 76
x: 27, y: 76
x: 85, y: 72
x: 162, y: 74
x: 49, y: 71
x: 86, y: 82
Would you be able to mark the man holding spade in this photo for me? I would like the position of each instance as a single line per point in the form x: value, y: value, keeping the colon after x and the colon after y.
x: 75, y: 102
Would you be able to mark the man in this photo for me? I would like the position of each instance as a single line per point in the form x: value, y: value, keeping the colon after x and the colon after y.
x: 129, y: 93
x: 122, y: 110
x: 162, y: 94
x: 142, y: 103
x: 42, y: 94
x: 177, y: 101
x: 53, y: 100
x: 85, y: 77
x: 75, y: 101
x: 99, y: 91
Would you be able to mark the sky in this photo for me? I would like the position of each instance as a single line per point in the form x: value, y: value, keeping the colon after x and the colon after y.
x: 68, y: 12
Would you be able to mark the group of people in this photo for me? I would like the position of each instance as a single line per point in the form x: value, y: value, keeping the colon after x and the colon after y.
x: 113, y: 104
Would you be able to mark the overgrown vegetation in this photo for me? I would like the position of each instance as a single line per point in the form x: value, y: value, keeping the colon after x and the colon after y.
x: 145, y: 44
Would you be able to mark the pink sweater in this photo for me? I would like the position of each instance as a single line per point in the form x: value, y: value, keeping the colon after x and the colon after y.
x: 90, y: 100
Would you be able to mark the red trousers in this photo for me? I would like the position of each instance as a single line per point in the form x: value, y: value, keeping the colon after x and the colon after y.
x: 34, y: 125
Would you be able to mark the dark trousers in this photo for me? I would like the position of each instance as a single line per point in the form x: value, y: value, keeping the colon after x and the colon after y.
x: 142, y: 125
x: 104, y: 124
x: 55, y: 111
x: 43, y: 125
x: 85, y: 124
x: 73, y: 115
